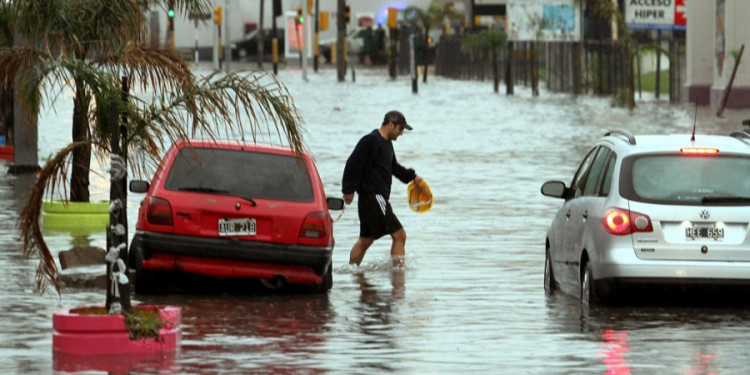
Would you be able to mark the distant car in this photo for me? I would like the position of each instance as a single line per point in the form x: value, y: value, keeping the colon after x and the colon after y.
x: 234, y: 210
x: 248, y: 45
x: 651, y: 211
x: 355, y: 40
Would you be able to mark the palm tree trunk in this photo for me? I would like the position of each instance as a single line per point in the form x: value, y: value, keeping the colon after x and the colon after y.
x: 79, y: 175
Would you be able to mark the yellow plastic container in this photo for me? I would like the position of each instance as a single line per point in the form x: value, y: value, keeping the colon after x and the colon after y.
x: 419, y: 196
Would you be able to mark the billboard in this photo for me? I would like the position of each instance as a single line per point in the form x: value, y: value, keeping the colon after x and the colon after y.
x: 543, y: 20
x: 655, y: 14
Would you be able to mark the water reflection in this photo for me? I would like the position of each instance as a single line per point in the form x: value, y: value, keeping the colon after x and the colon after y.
x: 376, y: 321
x: 614, y: 349
x: 265, y: 333
x: 685, y: 338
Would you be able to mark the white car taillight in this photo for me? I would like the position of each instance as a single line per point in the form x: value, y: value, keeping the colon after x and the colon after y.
x: 621, y: 222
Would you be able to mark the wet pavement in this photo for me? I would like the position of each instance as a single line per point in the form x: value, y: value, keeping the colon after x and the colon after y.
x: 470, y: 299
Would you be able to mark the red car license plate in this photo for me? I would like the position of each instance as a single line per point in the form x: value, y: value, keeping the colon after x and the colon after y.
x: 237, y: 227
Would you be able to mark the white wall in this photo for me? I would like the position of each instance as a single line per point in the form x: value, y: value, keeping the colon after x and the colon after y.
x: 701, y: 33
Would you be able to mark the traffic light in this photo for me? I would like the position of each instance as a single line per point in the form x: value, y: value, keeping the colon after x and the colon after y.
x: 347, y: 13
x: 276, y: 8
x: 170, y: 18
x: 217, y: 15
x: 300, y: 17
x: 310, y: 7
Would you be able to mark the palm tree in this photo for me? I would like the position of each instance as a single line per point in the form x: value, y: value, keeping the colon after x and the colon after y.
x: 104, y: 34
x: 432, y: 17
x: 492, y: 41
x: 182, y: 105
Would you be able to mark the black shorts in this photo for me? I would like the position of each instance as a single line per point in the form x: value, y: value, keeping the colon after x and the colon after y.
x: 376, y: 217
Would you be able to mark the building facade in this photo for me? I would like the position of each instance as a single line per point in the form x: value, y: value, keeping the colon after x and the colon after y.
x: 716, y: 32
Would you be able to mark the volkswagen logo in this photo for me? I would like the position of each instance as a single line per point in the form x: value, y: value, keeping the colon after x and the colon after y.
x: 704, y: 214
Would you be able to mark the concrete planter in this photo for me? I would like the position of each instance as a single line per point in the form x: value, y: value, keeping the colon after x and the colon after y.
x: 103, y: 342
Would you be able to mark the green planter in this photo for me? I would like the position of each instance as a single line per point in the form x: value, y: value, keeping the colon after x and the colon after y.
x: 83, y: 217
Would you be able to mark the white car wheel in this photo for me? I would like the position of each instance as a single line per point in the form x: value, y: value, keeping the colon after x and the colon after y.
x: 549, y: 277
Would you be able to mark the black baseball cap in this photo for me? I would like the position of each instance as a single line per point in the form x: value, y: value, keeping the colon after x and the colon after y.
x: 397, y: 118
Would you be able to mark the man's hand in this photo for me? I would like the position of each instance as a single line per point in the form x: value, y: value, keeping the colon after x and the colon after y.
x: 348, y: 198
x: 417, y: 180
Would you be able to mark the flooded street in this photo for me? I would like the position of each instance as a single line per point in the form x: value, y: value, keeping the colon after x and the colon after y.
x: 470, y: 299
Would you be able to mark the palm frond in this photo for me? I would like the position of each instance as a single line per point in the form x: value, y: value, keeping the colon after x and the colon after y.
x: 29, y: 220
x: 150, y: 67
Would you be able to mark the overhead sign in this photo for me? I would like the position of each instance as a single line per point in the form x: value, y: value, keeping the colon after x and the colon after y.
x: 655, y: 14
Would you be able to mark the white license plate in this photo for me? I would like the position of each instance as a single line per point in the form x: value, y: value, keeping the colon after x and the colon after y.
x: 696, y: 233
x: 237, y: 227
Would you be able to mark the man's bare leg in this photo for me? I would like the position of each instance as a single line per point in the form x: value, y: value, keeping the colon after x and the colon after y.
x: 398, y: 252
x: 359, y: 249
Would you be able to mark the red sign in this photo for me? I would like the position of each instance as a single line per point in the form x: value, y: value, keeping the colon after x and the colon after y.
x: 680, y: 13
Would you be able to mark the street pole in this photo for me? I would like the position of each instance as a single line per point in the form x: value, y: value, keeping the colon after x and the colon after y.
x: 413, y: 64
x: 227, y: 44
x: 275, y: 42
x: 316, y: 47
x: 195, y: 23
x: 341, y: 42
x: 261, y: 36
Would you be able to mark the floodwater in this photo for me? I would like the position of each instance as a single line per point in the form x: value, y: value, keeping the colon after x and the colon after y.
x: 470, y: 299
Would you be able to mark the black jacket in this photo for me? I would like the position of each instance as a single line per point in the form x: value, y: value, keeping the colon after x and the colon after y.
x: 371, y: 166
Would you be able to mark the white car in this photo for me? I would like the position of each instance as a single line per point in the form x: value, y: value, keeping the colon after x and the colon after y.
x: 652, y: 210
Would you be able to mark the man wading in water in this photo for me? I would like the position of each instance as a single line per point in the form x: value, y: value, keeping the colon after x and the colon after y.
x: 368, y: 172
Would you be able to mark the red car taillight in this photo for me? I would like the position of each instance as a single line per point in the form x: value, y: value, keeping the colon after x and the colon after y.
x: 158, y: 211
x: 315, y: 229
x: 621, y: 222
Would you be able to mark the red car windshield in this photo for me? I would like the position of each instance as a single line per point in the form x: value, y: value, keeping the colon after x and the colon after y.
x: 246, y: 174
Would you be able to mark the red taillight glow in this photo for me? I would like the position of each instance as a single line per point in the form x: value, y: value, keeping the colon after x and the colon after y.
x: 621, y: 222
x: 315, y: 229
x: 699, y: 151
x: 159, y: 211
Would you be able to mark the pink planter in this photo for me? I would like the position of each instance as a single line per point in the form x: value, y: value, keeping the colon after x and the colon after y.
x: 103, y: 342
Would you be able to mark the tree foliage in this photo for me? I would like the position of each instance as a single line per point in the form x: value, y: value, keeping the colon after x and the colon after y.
x: 428, y: 19
x: 90, y: 48
x: 492, y: 41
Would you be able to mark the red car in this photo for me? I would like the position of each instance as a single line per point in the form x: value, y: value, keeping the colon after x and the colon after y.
x: 234, y: 210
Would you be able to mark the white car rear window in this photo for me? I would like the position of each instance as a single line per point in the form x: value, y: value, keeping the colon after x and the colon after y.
x: 686, y: 179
